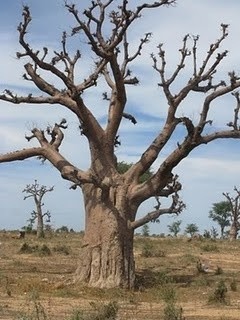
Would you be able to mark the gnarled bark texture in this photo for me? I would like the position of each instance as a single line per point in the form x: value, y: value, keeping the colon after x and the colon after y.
x: 40, y: 225
x: 234, y: 203
x: 233, y: 232
x: 107, y: 251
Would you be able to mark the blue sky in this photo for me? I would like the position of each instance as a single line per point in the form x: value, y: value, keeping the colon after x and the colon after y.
x: 205, y: 174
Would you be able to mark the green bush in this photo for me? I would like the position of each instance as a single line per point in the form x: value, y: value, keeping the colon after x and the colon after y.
x: 26, y: 248
x: 147, y: 250
x: 233, y: 285
x: 62, y: 229
x: 210, y: 247
x: 220, y: 293
x: 169, y: 294
x: 35, y: 310
x: 42, y: 251
x: 99, y: 312
x: 173, y: 312
x: 104, y: 311
x: 162, y: 278
x: 219, y: 270
x: 61, y: 249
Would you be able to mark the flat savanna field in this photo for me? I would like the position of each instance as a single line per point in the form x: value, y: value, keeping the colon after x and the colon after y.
x: 38, y: 284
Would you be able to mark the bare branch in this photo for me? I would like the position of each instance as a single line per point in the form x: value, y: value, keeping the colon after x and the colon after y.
x: 42, y: 84
x: 206, y: 106
x: 92, y: 79
x: 28, y: 99
x: 127, y: 59
x: 21, y: 154
x: 22, y: 28
x: 234, y: 124
x: 176, y: 207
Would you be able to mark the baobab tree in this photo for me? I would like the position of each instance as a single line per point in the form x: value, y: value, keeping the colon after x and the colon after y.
x: 234, y: 209
x: 37, y: 192
x: 112, y: 198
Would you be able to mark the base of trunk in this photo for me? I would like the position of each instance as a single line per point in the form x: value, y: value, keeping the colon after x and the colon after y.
x: 233, y: 233
x: 106, y: 258
x: 105, y: 266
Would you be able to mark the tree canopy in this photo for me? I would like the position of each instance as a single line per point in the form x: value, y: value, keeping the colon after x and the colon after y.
x: 221, y: 213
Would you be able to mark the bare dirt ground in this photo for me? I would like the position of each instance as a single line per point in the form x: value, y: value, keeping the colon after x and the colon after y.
x: 35, y: 285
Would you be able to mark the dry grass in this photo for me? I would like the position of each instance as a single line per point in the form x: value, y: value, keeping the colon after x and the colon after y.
x: 34, y: 280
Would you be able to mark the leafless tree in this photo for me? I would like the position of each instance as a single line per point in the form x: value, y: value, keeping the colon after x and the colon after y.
x: 37, y: 192
x: 111, y: 198
x: 234, y: 203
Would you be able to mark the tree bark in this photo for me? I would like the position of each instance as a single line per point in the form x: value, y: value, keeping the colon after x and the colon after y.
x: 222, y: 232
x: 233, y: 232
x: 40, y: 231
x: 106, y: 258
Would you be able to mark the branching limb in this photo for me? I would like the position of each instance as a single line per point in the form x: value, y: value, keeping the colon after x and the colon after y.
x: 159, y: 185
x: 39, y: 62
x: 92, y: 26
x: 35, y: 190
x: 234, y: 124
x: 42, y: 84
x: 50, y: 150
x: 176, y: 207
x: 21, y: 154
x: 204, y: 73
x: 127, y: 59
x: 173, y: 186
x: 47, y: 214
x: 151, y: 153
x: 166, y: 83
x: 64, y: 57
x: 92, y: 79
x: 57, y: 134
x: 234, y: 84
x: 197, y: 83
x: 9, y: 96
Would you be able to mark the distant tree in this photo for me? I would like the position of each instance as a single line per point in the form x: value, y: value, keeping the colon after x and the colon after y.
x: 145, y: 230
x: 221, y: 213
x: 207, y: 234
x: 191, y: 228
x: 234, y: 203
x: 37, y: 192
x: 214, y: 233
x: 62, y: 229
x: 175, y: 227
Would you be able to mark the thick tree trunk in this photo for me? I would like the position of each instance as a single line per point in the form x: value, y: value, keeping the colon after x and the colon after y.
x: 107, y: 252
x: 40, y: 231
x: 233, y: 232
